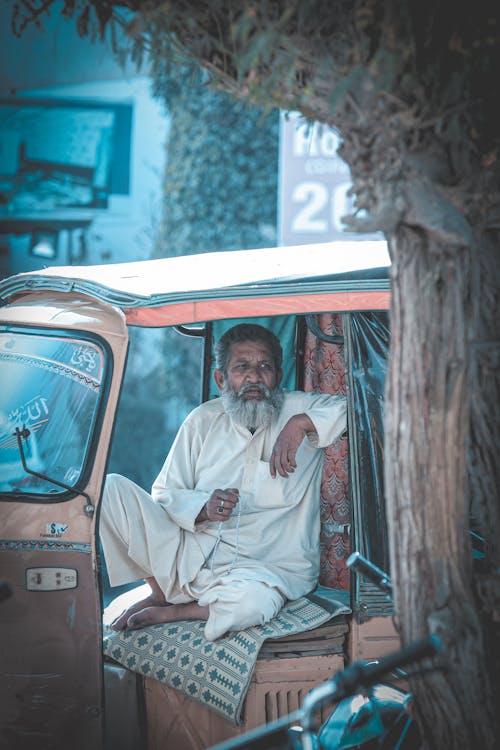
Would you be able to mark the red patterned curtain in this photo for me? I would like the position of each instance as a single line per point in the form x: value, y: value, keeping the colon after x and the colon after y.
x: 324, y: 372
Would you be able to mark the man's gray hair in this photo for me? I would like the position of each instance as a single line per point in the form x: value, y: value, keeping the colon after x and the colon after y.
x: 246, y: 332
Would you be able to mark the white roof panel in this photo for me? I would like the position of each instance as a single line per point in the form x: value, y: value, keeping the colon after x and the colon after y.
x: 154, y: 282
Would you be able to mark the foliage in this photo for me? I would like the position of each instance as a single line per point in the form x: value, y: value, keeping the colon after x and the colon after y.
x: 220, y: 185
x: 162, y: 384
x: 220, y: 193
x: 411, y: 87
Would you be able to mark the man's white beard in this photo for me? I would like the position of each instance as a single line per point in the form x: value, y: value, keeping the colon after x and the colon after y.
x: 251, y: 413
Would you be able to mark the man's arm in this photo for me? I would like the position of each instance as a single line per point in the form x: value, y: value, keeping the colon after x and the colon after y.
x: 322, y: 420
x: 285, y: 449
x: 174, y: 487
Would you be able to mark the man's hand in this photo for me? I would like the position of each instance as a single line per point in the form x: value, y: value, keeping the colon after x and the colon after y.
x: 219, y: 506
x: 287, y: 443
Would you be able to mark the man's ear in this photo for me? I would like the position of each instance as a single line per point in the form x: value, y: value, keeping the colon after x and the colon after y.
x: 219, y: 379
x: 279, y: 376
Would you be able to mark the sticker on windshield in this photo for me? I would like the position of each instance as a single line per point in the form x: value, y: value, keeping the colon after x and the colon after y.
x: 86, y: 358
x: 33, y: 414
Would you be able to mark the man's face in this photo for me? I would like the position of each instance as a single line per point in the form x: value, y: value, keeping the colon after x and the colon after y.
x: 251, y: 364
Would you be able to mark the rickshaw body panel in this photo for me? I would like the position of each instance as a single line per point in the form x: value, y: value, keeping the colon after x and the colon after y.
x: 51, y: 624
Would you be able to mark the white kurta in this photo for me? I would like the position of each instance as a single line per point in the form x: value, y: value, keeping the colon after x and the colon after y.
x: 273, y: 534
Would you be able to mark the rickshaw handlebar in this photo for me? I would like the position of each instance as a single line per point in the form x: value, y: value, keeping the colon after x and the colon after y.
x: 364, y: 674
x: 347, y: 682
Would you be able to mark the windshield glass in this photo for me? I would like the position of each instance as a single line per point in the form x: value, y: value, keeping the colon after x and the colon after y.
x: 51, y: 385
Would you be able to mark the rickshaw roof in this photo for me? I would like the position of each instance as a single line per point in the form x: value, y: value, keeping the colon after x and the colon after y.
x: 144, y: 288
x: 153, y: 282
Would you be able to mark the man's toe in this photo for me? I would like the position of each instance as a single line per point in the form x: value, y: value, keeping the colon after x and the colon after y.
x: 139, y: 619
x: 119, y: 623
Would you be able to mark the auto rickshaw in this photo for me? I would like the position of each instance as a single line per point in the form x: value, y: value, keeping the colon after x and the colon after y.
x: 64, y: 343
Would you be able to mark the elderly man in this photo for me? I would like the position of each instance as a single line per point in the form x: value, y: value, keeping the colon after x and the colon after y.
x: 231, y: 530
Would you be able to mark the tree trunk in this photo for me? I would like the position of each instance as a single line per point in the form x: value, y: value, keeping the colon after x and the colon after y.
x: 441, y: 444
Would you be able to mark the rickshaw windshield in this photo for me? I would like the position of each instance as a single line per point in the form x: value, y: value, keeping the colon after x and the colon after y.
x: 51, y: 385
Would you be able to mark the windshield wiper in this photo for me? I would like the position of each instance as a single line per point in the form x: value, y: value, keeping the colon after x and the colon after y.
x: 24, y: 434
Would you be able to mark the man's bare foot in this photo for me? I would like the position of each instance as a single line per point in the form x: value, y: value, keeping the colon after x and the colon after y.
x: 149, y: 602
x: 156, y: 614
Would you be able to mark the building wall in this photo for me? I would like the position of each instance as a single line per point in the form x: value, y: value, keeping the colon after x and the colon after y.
x: 82, y: 152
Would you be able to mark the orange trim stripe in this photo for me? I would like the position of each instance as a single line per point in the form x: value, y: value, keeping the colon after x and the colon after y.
x: 220, y: 309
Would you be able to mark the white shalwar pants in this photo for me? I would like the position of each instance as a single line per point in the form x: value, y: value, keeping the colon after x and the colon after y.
x: 140, y: 541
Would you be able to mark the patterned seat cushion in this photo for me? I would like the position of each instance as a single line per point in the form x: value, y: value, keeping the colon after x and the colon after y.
x: 214, y: 673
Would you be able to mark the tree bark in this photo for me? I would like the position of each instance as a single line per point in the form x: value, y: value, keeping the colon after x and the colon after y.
x: 439, y: 394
